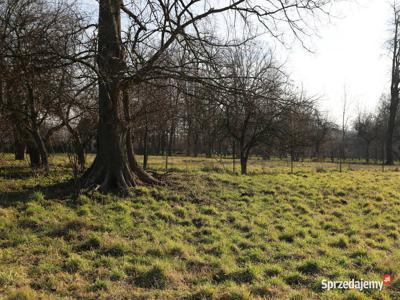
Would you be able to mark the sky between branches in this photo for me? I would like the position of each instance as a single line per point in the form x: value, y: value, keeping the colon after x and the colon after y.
x: 349, y: 53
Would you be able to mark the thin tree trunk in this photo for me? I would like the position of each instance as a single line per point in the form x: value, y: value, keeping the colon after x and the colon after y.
x: 244, y: 155
x: 34, y: 156
x: 390, y: 132
x: 81, y: 155
x: 394, y: 93
x: 41, y: 147
x: 234, y: 156
x: 243, y: 164
x: 145, y: 148
x: 19, y: 149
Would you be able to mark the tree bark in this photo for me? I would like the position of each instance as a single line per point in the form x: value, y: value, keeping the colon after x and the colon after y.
x: 244, y: 155
x: 34, y: 156
x: 80, y: 153
x: 391, y: 124
x: 41, y: 148
x: 19, y: 147
x: 115, y: 168
x: 394, y: 95
x: 145, y: 148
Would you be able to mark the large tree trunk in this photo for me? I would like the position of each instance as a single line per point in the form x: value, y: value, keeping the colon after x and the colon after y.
x: 115, y: 168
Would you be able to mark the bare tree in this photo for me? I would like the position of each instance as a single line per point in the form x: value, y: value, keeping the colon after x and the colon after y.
x: 394, y: 87
x: 255, y: 100
x: 343, y: 129
x: 34, y: 33
x: 155, y: 28
x: 320, y: 129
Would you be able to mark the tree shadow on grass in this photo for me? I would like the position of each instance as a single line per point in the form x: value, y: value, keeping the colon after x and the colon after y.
x: 60, y: 191
x: 16, y: 172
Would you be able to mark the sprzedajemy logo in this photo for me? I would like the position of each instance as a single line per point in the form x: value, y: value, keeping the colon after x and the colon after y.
x: 360, y: 285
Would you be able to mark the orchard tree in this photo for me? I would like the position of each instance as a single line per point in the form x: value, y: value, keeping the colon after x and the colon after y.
x: 255, y: 97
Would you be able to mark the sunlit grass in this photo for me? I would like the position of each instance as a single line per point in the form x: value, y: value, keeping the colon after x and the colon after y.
x: 209, y: 234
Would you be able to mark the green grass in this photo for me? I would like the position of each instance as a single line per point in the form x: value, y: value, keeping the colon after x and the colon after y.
x: 209, y: 234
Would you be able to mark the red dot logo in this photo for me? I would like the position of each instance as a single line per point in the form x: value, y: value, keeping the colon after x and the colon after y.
x: 387, y: 279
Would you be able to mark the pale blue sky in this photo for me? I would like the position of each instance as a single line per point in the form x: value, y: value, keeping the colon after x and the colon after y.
x: 348, y: 51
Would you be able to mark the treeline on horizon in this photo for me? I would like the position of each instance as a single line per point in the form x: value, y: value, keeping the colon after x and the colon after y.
x: 200, y: 95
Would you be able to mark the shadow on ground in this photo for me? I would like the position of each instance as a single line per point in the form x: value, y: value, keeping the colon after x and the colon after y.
x: 59, y: 191
x: 16, y: 172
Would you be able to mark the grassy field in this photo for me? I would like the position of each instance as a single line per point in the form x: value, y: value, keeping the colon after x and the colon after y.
x: 209, y: 234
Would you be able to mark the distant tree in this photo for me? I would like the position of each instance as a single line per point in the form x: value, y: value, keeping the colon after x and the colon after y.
x: 365, y: 126
x: 295, y: 126
x: 255, y: 98
x: 320, y: 128
x: 34, y: 34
